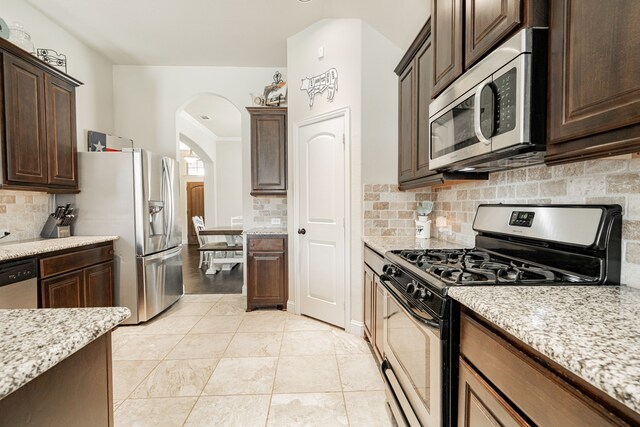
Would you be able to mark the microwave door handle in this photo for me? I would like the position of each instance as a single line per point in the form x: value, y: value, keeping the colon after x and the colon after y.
x: 477, y: 113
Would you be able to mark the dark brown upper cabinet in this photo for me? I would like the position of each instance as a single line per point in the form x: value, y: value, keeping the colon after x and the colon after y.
x: 268, y: 150
x: 414, y: 95
x: 594, y: 79
x: 464, y: 31
x: 37, y: 123
x: 486, y: 23
x: 447, y: 42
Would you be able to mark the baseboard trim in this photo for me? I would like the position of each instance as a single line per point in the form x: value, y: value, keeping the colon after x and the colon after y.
x: 356, y: 327
x: 291, y: 307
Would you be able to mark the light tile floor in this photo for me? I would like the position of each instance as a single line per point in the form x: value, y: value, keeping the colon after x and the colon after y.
x: 206, y: 362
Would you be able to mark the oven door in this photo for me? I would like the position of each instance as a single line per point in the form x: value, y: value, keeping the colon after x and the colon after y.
x: 413, y: 352
x: 463, y: 129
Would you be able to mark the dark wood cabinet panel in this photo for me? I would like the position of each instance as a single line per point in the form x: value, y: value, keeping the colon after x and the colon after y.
x: 487, y: 22
x: 267, y: 273
x: 594, y: 79
x: 424, y: 83
x: 25, y: 144
x: 268, y: 150
x: 447, y: 42
x: 369, y: 295
x: 406, y: 124
x: 98, y: 285
x: 61, y: 131
x: 480, y: 405
x: 78, y: 278
x: 65, y: 291
x: 38, y: 123
x: 542, y: 391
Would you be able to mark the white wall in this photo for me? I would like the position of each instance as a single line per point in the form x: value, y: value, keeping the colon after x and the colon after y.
x: 146, y: 99
x: 365, y: 61
x: 94, y: 100
x: 228, y: 181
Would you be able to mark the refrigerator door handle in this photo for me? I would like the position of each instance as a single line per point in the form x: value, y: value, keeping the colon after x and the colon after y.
x: 168, y: 200
x: 164, y: 254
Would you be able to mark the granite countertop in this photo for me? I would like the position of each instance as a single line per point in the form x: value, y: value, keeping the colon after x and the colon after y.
x: 384, y: 244
x: 19, y: 249
x: 266, y: 230
x: 33, y: 341
x: 592, y: 331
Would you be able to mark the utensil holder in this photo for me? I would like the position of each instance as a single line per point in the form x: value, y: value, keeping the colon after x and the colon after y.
x: 52, y: 230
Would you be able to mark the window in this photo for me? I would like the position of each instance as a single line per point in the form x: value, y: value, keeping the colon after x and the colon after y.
x: 195, y: 168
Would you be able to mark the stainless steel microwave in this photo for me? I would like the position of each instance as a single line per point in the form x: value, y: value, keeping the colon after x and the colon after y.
x: 494, y: 116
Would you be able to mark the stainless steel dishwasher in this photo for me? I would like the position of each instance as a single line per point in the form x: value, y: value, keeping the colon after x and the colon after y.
x: 19, y: 284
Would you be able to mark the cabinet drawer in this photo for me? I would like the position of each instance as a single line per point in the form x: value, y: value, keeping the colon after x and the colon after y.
x: 71, y: 261
x: 539, y: 393
x: 266, y: 244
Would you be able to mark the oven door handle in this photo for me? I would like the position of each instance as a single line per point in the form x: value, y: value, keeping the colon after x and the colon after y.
x: 432, y: 323
x: 477, y: 112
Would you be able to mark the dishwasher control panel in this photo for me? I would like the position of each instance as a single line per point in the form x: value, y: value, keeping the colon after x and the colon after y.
x: 17, y: 271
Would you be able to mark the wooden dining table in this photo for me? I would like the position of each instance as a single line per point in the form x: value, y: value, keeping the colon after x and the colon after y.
x: 222, y: 231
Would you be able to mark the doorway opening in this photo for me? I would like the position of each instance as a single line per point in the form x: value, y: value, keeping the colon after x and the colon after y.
x: 210, y: 152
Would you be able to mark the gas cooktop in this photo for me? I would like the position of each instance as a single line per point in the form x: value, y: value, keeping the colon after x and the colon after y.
x: 478, y: 267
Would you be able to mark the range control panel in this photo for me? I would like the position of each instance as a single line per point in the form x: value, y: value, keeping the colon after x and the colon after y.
x: 521, y: 218
x: 18, y: 271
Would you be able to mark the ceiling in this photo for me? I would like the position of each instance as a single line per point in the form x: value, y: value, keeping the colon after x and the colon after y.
x: 247, y: 33
x: 224, y: 117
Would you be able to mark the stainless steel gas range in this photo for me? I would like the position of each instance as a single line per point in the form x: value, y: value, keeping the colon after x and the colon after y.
x: 516, y: 245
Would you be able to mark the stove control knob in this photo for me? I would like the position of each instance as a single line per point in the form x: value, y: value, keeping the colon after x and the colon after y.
x: 419, y: 291
x: 411, y: 287
x: 391, y: 270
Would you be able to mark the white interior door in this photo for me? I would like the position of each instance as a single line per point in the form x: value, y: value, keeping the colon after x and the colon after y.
x: 321, y: 213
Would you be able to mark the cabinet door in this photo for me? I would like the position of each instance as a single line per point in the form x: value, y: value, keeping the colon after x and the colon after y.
x: 61, y: 131
x: 26, y: 148
x: 63, y: 291
x: 98, y: 285
x: 487, y: 22
x: 266, y: 279
x: 423, y: 64
x: 406, y: 124
x: 368, y: 303
x: 594, y: 79
x: 379, y: 316
x: 446, y: 28
x: 479, y: 405
x: 269, y: 152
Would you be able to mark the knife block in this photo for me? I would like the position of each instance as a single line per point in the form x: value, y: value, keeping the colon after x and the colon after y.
x: 51, y: 229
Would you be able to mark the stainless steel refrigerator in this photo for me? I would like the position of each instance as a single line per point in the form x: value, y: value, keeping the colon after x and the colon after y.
x: 135, y: 194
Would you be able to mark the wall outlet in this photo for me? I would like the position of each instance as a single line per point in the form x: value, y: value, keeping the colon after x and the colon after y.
x: 276, y: 221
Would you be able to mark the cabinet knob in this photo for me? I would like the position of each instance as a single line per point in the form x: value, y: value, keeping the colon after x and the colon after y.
x: 302, y: 231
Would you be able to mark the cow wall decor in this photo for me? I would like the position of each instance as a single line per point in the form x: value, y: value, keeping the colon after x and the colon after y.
x: 317, y: 84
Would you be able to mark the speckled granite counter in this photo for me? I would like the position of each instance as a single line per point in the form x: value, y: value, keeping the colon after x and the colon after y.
x: 266, y: 231
x: 21, y: 249
x: 384, y: 244
x: 593, y: 332
x: 33, y: 341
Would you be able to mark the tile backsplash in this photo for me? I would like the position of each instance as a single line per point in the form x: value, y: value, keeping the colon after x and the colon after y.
x: 389, y: 211
x: 23, y: 213
x: 267, y: 207
x: 604, y: 181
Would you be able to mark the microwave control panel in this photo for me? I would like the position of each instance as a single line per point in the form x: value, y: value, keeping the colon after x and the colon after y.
x: 505, y: 88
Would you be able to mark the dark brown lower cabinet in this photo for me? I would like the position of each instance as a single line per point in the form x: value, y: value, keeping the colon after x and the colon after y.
x: 267, y: 272
x: 80, y: 278
x: 503, y: 381
x: 63, y: 291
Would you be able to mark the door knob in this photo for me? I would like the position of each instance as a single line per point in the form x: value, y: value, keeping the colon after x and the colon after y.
x: 302, y: 231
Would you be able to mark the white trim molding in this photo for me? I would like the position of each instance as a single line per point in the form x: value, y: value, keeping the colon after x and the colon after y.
x: 356, y: 327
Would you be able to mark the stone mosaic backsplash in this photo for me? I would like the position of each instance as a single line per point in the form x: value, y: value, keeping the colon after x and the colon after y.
x: 267, y: 207
x: 604, y: 181
x: 23, y: 213
x: 389, y: 211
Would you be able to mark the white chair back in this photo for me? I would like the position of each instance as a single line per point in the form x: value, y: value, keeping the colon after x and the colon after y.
x: 198, y: 224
